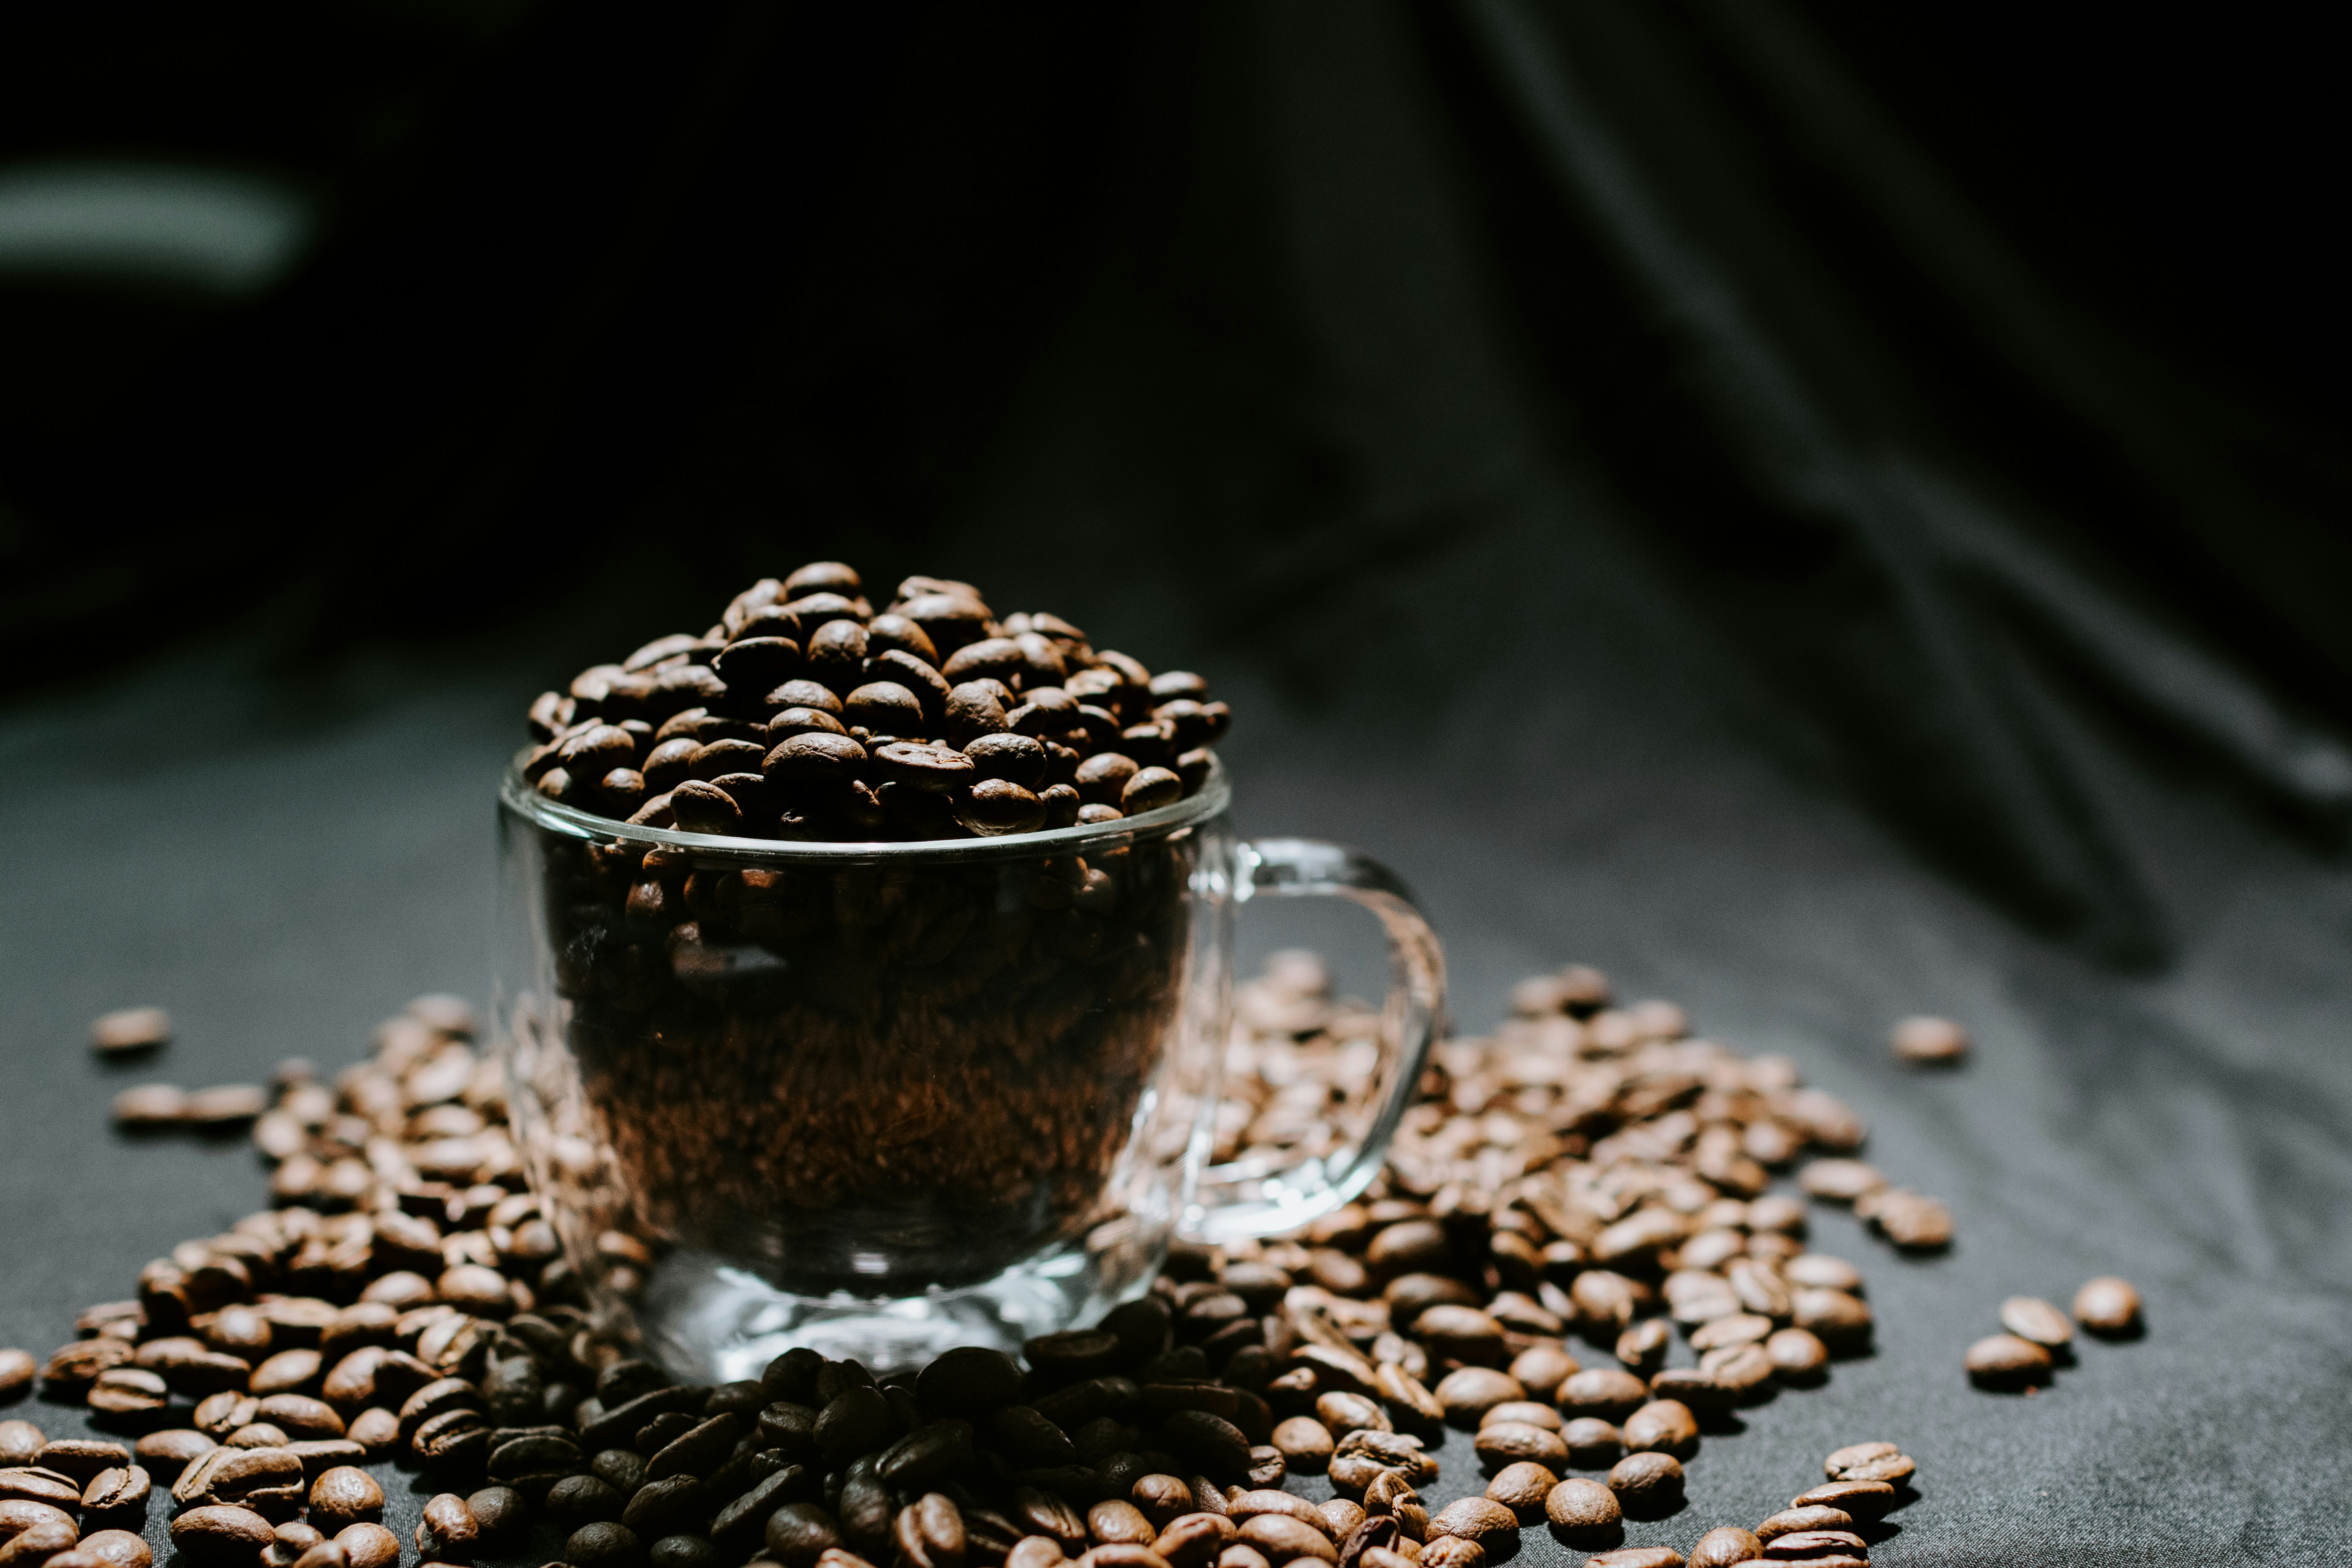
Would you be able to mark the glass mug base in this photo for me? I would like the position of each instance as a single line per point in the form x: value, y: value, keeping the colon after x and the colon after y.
x: 885, y: 1098
x: 710, y: 1320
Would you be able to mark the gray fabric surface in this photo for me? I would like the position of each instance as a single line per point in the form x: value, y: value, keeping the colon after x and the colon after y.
x: 280, y: 872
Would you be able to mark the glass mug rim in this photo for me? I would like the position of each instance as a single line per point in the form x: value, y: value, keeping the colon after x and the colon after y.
x: 518, y: 793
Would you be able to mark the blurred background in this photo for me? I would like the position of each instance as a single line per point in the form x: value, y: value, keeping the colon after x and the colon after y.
x: 1955, y: 393
x: 1826, y: 510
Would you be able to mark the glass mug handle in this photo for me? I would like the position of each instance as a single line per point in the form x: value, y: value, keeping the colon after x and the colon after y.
x: 1233, y: 1202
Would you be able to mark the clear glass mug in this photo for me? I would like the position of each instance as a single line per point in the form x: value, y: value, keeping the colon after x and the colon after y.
x: 884, y: 1099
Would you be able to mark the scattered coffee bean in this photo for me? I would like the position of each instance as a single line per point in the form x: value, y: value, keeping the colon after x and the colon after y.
x: 1636, y: 1557
x: 2030, y: 1317
x: 222, y: 1532
x: 1869, y: 1462
x: 1725, y: 1547
x: 2107, y: 1306
x: 1930, y: 1042
x: 2005, y: 1361
x: 130, y: 1031
x: 1646, y: 1481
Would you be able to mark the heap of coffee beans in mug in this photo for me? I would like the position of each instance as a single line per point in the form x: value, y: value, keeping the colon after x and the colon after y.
x: 804, y: 714
x: 740, y: 1031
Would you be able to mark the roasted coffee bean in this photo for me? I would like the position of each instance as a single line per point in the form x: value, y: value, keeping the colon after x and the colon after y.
x: 584, y: 1500
x: 115, y: 1549
x: 1285, y: 1540
x: 926, y: 1455
x: 1604, y: 1392
x: 1662, y: 1425
x: 1726, y: 1546
x: 1469, y: 1393
x: 602, y: 1545
x: 2030, y: 1317
x: 681, y: 1552
x: 1637, y: 1557
x: 697, y: 1451
x: 660, y: 1508
x: 345, y: 1495
x: 1522, y: 1488
x: 368, y: 1546
x: 858, y: 1422
x: 1643, y: 1481
x: 1930, y: 1042
x: 2108, y: 1306
x: 130, y: 1031
x: 2005, y: 1361
x: 1505, y: 1442
x: 447, y: 1532
x: 1868, y: 1462
x: 1859, y: 1498
x: 1452, y: 1552
x: 1790, y: 1520
x: 222, y: 1532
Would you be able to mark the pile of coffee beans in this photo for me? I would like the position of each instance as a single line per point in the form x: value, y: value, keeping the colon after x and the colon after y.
x: 806, y: 714
x: 403, y: 1300
x: 2038, y: 1338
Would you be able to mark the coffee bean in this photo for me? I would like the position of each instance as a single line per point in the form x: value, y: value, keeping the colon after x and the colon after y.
x: 2108, y: 1306
x: 1840, y: 1321
x: 1285, y: 1540
x: 1504, y: 1442
x: 1637, y: 1557
x: 1725, y: 1547
x: 130, y: 1031
x: 2030, y: 1317
x: 1798, y: 1355
x: 1522, y: 1488
x: 1592, y: 1444
x: 1807, y: 1545
x: 116, y: 1495
x: 1604, y: 1392
x: 1865, y: 1500
x: 150, y: 1106
x: 1581, y: 1505
x: 1662, y: 1425
x: 1930, y: 1042
x: 1452, y: 1552
x: 1868, y: 1462
x: 1149, y: 790
x: 345, y: 1495
x: 115, y: 1549
x: 365, y: 1546
x: 1646, y: 1482
x: 221, y: 1532
x: 602, y: 1545
x: 2005, y: 1361
x: 1790, y: 1520
x: 1467, y: 1394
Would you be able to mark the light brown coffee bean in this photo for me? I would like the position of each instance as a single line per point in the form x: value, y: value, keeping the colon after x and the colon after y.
x: 368, y: 1545
x: 1637, y: 1557
x: 2030, y: 1317
x: 1306, y: 1444
x: 130, y: 1031
x: 1525, y: 1412
x: 345, y: 1495
x: 1577, y: 1504
x: 1601, y: 1390
x: 116, y: 1548
x: 1725, y: 1547
x: 1662, y: 1425
x: 1522, y: 1488
x: 1798, y: 1355
x: 222, y: 1532
x: 1877, y: 1461
x: 1929, y: 1042
x: 2107, y: 1306
x: 1864, y: 1500
x: 1795, y: 1519
x: 1506, y: 1442
x: 1644, y: 1481
x: 2004, y: 1361
x: 1452, y: 1552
